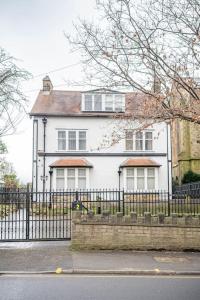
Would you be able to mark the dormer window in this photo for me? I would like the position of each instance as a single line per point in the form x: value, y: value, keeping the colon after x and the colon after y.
x: 103, y: 102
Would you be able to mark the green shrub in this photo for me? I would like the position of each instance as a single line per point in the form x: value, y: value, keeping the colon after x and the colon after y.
x: 190, y: 176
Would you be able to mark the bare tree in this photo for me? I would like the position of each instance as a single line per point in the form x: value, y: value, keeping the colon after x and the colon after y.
x: 149, y: 46
x: 12, y: 100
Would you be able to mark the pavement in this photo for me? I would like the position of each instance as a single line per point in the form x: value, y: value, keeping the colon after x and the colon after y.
x: 56, y: 257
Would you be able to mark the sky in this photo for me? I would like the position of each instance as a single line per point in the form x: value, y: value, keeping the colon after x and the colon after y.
x: 33, y: 32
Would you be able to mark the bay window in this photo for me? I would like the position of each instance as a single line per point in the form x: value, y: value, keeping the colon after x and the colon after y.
x: 72, y: 178
x: 140, y: 178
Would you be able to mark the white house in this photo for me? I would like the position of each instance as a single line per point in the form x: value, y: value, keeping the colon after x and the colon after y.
x: 68, y: 129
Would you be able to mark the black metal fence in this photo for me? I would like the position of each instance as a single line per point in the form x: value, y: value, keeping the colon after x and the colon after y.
x: 26, y: 215
x: 182, y: 201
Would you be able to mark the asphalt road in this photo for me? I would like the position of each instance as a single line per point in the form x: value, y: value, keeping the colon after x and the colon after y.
x: 73, y: 287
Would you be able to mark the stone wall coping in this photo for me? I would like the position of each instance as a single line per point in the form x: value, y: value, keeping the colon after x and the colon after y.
x: 186, y: 221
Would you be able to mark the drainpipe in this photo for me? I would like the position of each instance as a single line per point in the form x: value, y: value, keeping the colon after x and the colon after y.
x: 44, y: 121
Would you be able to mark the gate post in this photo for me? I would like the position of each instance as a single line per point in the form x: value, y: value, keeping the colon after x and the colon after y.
x: 27, y: 210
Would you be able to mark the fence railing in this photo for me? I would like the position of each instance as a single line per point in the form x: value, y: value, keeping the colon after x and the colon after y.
x: 155, y: 202
x: 187, y: 187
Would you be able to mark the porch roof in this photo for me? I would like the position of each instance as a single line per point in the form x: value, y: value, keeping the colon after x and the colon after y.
x: 71, y: 162
x: 139, y: 162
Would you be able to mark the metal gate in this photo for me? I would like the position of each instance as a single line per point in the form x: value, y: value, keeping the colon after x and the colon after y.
x: 29, y: 216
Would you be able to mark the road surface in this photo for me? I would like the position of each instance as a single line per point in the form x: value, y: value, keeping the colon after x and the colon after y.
x: 79, y: 287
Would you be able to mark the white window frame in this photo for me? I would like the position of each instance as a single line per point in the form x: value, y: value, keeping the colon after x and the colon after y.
x: 77, y: 131
x: 114, y: 100
x: 145, y: 178
x: 143, y: 141
x: 66, y: 177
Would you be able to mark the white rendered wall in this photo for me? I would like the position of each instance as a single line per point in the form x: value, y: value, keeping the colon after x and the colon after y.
x: 104, y: 172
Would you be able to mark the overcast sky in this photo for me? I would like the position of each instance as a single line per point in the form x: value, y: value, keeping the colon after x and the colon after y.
x: 33, y: 32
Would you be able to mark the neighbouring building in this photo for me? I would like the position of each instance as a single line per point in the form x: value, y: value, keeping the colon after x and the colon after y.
x: 185, y: 138
x: 68, y: 129
x: 185, y: 148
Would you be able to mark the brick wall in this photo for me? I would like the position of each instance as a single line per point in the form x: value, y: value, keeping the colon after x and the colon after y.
x: 137, y: 233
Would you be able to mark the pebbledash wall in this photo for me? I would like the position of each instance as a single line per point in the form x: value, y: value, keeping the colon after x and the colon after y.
x: 135, y: 233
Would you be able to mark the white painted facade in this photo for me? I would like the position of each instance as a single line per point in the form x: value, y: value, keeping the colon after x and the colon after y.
x: 105, y: 161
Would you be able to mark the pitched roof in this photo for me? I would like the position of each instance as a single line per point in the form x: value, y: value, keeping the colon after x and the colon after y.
x: 68, y: 103
x: 139, y: 162
x: 70, y: 162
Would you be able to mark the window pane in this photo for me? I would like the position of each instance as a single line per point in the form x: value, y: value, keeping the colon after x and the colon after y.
x: 129, y: 135
x: 151, y: 172
x: 129, y: 145
x: 72, y: 140
x: 71, y: 178
x: 81, y: 172
x: 151, y: 183
x: 60, y: 183
x: 139, y: 135
x: 60, y: 172
x: 139, y: 145
x: 109, y: 102
x: 118, y: 103
x: 129, y: 140
x: 82, y: 140
x: 61, y: 134
x: 139, y: 140
x: 148, y: 140
x: 61, y: 140
x: 140, y: 183
x: 130, y: 183
x: 148, y: 145
x: 140, y: 172
x: 97, y: 102
x: 61, y: 144
x: 71, y: 172
x: 71, y: 183
x: 148, y: 135
x: 82, y: 183
x: 130, y: 172
x: 88, y: 102
x: 140, y: 178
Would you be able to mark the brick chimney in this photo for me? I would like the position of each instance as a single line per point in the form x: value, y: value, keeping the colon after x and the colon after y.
x: 47, y: 85
x: 156, y: 87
